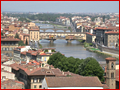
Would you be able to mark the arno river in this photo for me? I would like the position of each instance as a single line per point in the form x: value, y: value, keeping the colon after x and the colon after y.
x: 75, y: 49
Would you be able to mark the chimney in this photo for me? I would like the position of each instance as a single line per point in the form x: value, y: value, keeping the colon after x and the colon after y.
x: 31, y: 69
x: 62, y: 72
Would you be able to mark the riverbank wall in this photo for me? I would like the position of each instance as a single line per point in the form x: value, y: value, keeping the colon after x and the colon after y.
x: 109, y: 50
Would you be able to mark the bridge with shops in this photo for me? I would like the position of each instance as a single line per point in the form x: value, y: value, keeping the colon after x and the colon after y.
x: 68, y: 36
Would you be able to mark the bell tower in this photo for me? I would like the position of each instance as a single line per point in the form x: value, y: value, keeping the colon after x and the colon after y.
x: 110, y: 73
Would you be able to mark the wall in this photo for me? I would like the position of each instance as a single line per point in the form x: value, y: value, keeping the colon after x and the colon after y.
x: 8, y: 75
x: 7, y: 68
x: 106, y: 49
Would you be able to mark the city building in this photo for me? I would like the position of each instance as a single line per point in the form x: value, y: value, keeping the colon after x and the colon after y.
x: 7, y: 46
x: 71, y: 83
x: 24, y: 37
x: 100, y: 34
x: 111, y: 39
x: 34, y: 33
x: 112, y: 75
x: 90, y: 37
x: 12, y: 84
x: 25, y: 53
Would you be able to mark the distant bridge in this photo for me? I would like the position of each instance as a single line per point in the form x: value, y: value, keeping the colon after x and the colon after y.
x: 54, y: 29
x: 69, y: 36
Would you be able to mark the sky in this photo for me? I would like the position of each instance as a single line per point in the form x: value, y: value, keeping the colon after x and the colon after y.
x: 61, y: 6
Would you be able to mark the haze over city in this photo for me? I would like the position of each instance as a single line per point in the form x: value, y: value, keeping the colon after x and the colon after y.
x: 61, y: 6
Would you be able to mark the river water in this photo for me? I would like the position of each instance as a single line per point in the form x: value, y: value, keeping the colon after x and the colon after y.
x: 75, y: 49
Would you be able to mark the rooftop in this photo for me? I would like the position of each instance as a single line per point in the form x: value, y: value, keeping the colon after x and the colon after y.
x: 111, y: 32
x: 110, y: 58
x: 10, y: 39
x: 73, y: 81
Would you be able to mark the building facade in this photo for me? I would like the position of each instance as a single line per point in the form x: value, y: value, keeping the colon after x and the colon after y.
x: 7, y: 46
x: 34, y: 34
x: 100, y: 34
x: 111, y: 39
x: 90, y: 38
x: 110, y: 73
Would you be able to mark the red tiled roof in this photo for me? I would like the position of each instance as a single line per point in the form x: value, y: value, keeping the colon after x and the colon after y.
x: 10, y: 39
x: 21, y: 47
x: 19, y: 82
x: 105, y: 86
x: 112, y: 32
x: 102, y: 28
x: 87, y: 81
x: 43, y: 54
x: 33, y: 29
x: 11, y: 84
x: 111, y: 58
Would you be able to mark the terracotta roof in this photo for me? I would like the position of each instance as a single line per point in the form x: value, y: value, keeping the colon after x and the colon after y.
x: 15, y: 66
x: 58, y: 72
x: 10, y: 39
x: 105, y: 86
x: 6, y: 29
x: 43, y: 54
x: 35, y: 62
x: 103, y: 28
x: 111, y: 59
x: 42, y: 71
x: 112, y: 32
x: 21, y: 47
x: 33, y: 29
x: 73, y: 82
x: 11, y: 84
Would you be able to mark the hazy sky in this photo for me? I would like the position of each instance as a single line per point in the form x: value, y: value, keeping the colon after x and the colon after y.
x: 60, y: 6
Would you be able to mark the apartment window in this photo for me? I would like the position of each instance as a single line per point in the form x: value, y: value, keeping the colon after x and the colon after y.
x: 3, y: 49
x: 40, y: 86
x: 11, y: 49
x: 35, y: 80
x: 10, y: 54
x: 35, y: 86
x: 112, y: 65
x: 40, y: 80
x: 112, y: 75
x: 7, y: 49
x: 45, y: 59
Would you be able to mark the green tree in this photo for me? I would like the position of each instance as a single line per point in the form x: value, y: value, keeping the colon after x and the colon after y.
x: 21, y: 43
x: 55, y: 58
x: 1, y: 33
x: 40, y: 46
x: 17, y: 35
x: 90, y: 67
x: 26, y: 42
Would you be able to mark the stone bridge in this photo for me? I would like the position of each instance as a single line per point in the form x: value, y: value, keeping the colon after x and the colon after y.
x: 54, y: 29
x: 68, y: 36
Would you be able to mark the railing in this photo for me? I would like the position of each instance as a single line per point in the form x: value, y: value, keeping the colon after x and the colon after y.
x: 80, y: 37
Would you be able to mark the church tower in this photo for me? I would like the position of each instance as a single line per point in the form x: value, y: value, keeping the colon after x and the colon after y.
x: 110, y: 73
